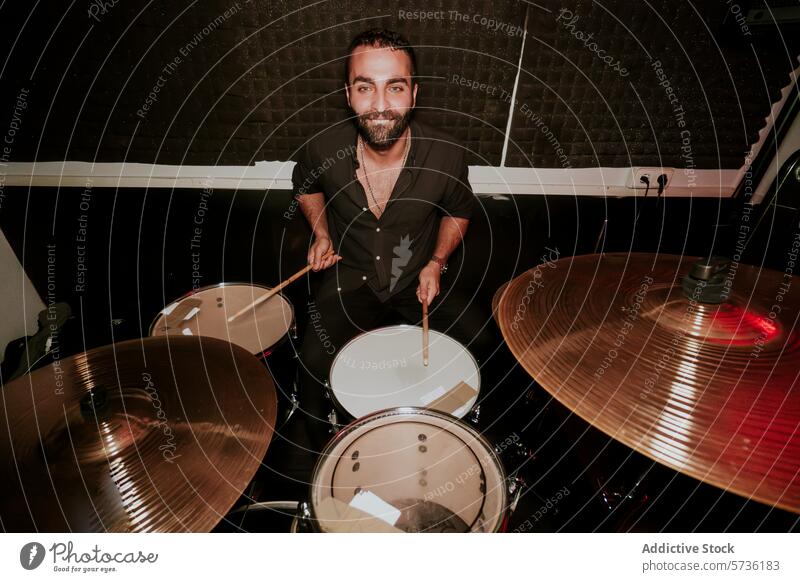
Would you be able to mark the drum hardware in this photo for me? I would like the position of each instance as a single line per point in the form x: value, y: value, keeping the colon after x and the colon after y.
x: 157, y: 434
x: 613, y: 497
x: 302, y: 520
x: 681, y: 381
x: 514, y: 454
x: 293, y: 395
x: 294, y: 404
x: 333, y: 417
x: 474, y: 415
x: 290, y: 506
x: 516, y: 485
x: 334, y: 422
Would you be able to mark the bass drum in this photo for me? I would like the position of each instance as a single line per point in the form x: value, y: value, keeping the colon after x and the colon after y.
x: 408, y: 470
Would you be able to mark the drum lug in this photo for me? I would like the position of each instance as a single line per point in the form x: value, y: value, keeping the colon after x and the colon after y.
x: 334, y: 420
x: 475, y: 414
x: 304, y: 511
x: 302, y: 518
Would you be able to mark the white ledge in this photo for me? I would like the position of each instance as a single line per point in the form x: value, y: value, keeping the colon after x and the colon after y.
x: 485, y: 180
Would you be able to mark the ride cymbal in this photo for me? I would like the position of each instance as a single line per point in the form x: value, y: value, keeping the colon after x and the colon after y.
x: 158, y: 434
x: 708, y: 390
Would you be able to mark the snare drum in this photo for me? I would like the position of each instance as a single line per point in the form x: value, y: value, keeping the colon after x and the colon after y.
x: 408, y: 470
x: 383, y: 369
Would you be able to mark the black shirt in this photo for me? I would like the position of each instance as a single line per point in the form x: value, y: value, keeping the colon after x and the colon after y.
x: 387, y: 252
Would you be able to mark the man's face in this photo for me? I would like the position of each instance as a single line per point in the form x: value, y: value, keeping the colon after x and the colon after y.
x: 380, y: 93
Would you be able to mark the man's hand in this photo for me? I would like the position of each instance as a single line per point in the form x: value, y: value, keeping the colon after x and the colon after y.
x: 429, y: 278
x: 321, y: 246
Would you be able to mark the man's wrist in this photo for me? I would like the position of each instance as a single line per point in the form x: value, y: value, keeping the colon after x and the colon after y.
x: 440, y: 262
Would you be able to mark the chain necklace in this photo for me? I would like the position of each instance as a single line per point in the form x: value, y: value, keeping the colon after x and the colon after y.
x: 366, y: 176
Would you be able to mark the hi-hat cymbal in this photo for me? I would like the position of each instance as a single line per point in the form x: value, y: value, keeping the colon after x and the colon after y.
x: 158, y: 434
x: 708, y: 390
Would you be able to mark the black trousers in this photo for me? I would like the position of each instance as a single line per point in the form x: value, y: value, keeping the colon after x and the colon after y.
x: 337, y: 317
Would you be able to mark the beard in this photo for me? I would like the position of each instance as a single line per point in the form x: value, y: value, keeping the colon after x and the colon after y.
x: 382, y: 136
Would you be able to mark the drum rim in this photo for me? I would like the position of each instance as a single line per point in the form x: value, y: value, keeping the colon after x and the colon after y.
x: 226, y: 284
x: 399, y: 411
x: 341, y: 407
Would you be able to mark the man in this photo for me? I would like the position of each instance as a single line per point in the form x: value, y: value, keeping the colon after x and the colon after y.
x: 388, y: 201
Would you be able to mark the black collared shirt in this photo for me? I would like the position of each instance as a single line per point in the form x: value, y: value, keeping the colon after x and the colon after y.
x: 387, y: 252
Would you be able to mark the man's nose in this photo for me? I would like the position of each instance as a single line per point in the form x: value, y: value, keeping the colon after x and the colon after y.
x: 379, y: 103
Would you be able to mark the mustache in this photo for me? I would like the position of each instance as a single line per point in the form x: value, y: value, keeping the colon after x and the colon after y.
x: 380, y: 115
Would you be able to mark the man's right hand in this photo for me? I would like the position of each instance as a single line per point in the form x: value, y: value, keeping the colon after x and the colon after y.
x: 321, y: 246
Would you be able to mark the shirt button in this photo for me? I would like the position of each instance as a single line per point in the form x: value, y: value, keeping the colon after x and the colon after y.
x: 378, y: 258
x: 338, y: 288
x: 377, y: 229
x: 364, y: 208
x: 364, y: 277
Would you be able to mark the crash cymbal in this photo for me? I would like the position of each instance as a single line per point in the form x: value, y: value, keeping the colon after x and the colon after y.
x: 708, y: 390
x: 158, y: 434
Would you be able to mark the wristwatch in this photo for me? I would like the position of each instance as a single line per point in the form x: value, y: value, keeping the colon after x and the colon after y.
x: 440, y: 261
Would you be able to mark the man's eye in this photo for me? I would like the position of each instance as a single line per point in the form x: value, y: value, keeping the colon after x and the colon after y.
x: 396, y: 89
x: 363, y: 88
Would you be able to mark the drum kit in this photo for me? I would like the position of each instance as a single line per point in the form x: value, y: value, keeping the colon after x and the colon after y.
x: 164, y: 433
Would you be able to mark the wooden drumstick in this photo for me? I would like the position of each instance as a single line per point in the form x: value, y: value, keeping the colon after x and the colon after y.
x: 425, y: 332
x: 275, y: 290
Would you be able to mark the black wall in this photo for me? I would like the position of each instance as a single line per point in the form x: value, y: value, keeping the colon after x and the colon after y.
x: 254, y: 80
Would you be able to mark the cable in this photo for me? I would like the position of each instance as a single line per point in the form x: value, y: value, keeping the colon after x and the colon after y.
x: 646, y: 181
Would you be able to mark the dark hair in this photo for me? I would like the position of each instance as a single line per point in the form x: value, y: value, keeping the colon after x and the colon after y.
x: 381, y: 38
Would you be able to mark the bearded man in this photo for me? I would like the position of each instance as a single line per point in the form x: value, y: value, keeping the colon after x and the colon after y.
x: 388, y: 200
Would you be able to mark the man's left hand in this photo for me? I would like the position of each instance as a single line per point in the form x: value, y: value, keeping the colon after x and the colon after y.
x: 429, y: 278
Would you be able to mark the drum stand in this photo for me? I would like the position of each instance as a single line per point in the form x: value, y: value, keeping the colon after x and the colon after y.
x: 517, y: 455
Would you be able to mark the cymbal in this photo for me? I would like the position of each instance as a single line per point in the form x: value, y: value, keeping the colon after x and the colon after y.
x: 708, y: 390
x: 155, y: 434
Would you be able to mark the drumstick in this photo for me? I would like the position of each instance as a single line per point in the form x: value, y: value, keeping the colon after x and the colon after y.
x: 275, y: 290
x: 425, y: 332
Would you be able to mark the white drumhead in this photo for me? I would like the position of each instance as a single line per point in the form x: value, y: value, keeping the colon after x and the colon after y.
x: 207, y: 310
x: 383, y: 369
x: 410, y: 470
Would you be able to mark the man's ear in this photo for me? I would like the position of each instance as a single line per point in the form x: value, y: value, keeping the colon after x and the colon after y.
x: 347, y: 93
x: 414, y: 95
